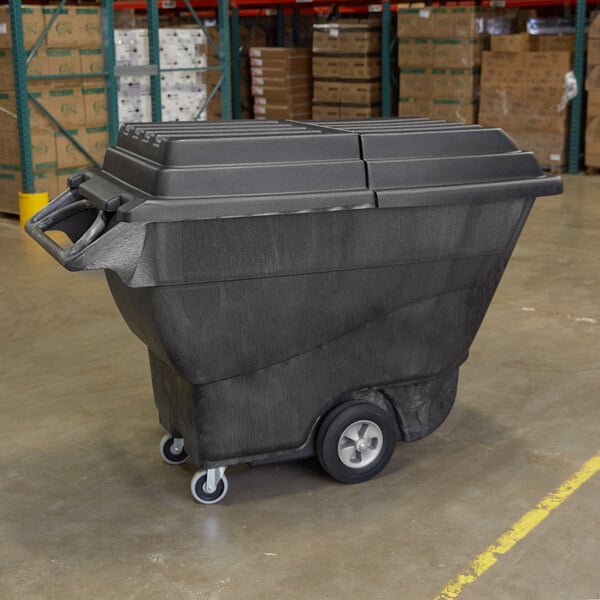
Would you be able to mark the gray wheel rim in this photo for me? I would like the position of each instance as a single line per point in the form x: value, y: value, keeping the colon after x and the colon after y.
x: 360, y: 444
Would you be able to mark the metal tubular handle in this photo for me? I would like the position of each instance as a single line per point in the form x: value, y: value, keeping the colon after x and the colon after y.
x: 64, y: 207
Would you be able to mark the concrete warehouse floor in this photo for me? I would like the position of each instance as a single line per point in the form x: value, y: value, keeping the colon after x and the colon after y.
x: 88, y: 510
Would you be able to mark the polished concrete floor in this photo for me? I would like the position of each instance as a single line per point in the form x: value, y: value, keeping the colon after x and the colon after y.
x: 89, y: 511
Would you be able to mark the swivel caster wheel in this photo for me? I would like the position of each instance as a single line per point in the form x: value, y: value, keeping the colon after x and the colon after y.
x: 209, y: 487
x: 171, y: 450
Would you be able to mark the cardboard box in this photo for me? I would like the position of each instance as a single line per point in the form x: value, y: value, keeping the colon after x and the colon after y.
x: 416, y: 83
x: 468, y: 22
x: 324, y: 65
x: 68, y: 153
x: 558, y: 62
x: 592, y: 81
x: 326, y: 38
x: 414, y: 107
x: 454, y: 109
x: 95, y: 106
x: 455, y: 83
x: 443, y: 24
x: 360, y: 92
x: 457, y: 52
x: 593, y: 103
x: 64, y: 32
x: 64, y: 61
x: 593, y: 51
x: 594, y: 28
x: 415, y: 53
x: 96, y: 142
x: 592, y: 156
x: 88, y: 22
x: 43, y: 148
x: 92, y: 61
x: 415, y: 22
x: 281, y: 95
x: 326, y: 90
x: 283, y: 111
x: 39, y: 65
x: 549, y: 148
x: 323, y: 110
x: 357, y: 111
x: 553, y: 43
x: 360, y: 38
x: 359, y: 67
x: 33, y: 25
x: 514, y: 42
x: 66, y: 105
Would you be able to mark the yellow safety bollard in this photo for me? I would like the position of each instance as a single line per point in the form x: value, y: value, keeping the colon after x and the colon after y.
x: 29, y: 204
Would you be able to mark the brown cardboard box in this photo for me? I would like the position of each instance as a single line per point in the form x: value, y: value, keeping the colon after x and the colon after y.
x: 92, y: 61
x: 454, y: 109
x: 96, y: 142
x: 283, y: 111
x: 468, y: 22
x: 266, y: 61
x: 360, y: 92
x: 414, y: 107
x: 416, y: 83
x: 357, y: 111
x: 594, y: 28
x: 514, y: 42
x: 280, y: 95
x: 324, y: 65
x: 68, y: 153
x: 64, y: 32
x: 289, y: 79
x: 415, y: 52
x: 556, y: 62
x: 39, y: 65
x: 592, y: 142
x: 593, y: 103
x: 326, y: 90
x: 443, y: 24
x: 324, y: 110
x: 95, y: 105
x: 33, y: 25
x: 457, y: 52
x: 66, y: 105
x: 550, y: 148
x: 359, y: 67
x: 8, y: 111
x: 415, y: 22
x: 360, y: 38
x: 64, y: 61
x: 455, y: 83
x: 553, y: 43
x: 326, y: 37
x: 43, y: 148
x: 89, y: 26
x: 592, y: 81
x: 593, y: 51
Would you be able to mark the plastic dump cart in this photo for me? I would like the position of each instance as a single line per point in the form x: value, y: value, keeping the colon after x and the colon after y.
x: 304, y: 288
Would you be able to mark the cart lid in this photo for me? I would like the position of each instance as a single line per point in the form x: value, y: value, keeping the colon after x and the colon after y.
x: 199, y: 170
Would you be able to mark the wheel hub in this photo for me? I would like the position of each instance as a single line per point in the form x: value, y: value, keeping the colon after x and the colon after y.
x: 360, y: 444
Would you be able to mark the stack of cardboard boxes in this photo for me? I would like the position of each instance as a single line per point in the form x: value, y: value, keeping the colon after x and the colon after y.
x: 521, y: 88
x: 72, y: 46
x: 183, y: 89
x: 281, y: 82
x: 249, y: 37
x: 592, y: 130
x: 346, y: 68
x: 439, y: 56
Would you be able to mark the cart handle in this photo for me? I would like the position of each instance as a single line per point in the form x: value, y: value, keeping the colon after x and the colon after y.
x: 56, y: 212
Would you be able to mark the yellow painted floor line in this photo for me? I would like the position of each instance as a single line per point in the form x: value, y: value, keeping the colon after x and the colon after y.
x: 520, y: 529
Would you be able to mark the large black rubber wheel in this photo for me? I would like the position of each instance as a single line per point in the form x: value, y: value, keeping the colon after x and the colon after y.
x: 355, y: 441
